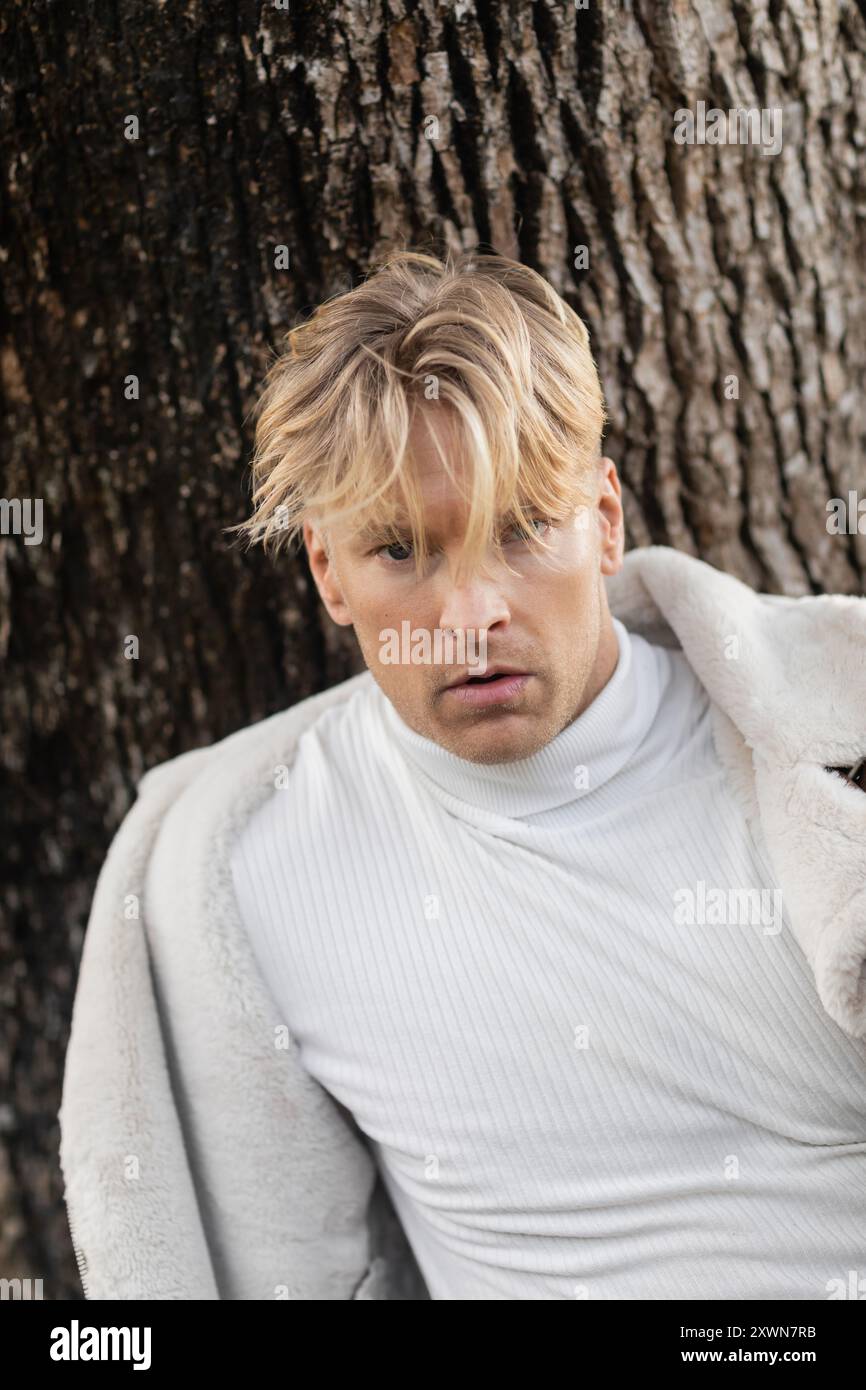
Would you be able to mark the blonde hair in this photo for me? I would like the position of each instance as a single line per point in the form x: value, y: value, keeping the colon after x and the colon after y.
x: 482, y: 334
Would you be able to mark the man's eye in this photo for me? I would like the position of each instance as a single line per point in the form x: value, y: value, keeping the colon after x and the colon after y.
x: 405, y: 546
x: 519, y: 531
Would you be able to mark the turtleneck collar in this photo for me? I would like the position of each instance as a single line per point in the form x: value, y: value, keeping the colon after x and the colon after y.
x: 582, y: 757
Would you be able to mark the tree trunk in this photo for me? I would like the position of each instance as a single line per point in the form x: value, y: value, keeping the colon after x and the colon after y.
x: 723, y: 288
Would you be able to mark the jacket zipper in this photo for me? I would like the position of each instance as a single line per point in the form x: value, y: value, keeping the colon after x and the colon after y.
x: 80, y: 1258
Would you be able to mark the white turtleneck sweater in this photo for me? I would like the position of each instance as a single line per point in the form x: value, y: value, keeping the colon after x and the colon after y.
x: 574, y: 1086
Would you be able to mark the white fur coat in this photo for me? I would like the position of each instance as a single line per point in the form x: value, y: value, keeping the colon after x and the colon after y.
x: 200, y: 1160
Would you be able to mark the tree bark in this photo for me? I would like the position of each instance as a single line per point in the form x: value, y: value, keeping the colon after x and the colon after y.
x: 340, y: 131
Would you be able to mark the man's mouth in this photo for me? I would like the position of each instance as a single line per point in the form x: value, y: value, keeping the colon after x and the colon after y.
x: 492, y: 688
x: 492, y: 674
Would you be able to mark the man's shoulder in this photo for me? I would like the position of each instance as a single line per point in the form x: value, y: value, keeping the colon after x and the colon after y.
x: 193, y: 811
x: 249, y: 747
x: 204, y: 797
x: 319, y: 791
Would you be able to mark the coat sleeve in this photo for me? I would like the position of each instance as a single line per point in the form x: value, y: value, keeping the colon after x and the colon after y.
x: 130, y: 1198
x: 283, y: 1182
x: 200, y: 1158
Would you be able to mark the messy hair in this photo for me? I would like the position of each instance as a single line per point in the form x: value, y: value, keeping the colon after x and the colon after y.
x: 480, y: 334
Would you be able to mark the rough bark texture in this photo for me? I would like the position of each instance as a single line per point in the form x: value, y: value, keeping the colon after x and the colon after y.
x: 312, y: 128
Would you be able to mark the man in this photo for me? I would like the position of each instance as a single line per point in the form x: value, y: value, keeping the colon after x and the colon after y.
x: 525, y: 920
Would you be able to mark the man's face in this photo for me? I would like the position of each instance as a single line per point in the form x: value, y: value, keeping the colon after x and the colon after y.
x: 548, y: 619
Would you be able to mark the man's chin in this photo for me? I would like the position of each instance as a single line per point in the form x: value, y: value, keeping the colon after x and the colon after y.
x: 503, y: 737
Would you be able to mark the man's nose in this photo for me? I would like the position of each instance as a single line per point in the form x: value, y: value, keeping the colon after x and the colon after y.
x: 479, y: 605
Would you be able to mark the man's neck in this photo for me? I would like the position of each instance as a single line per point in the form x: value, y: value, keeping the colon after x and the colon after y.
x: 603, y: 667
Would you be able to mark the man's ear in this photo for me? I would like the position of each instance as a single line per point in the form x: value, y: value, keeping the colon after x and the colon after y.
x: 611, y: 519
x: 320, y: 556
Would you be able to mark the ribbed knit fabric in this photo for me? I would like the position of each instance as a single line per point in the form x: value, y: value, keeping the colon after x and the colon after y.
x: 572, y: 1088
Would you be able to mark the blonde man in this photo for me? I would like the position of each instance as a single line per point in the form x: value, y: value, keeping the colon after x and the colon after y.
x: 560, y: 931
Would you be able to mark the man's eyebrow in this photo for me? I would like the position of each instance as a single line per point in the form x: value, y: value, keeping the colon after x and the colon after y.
x: 374, y: 530
x: 401, y: 526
